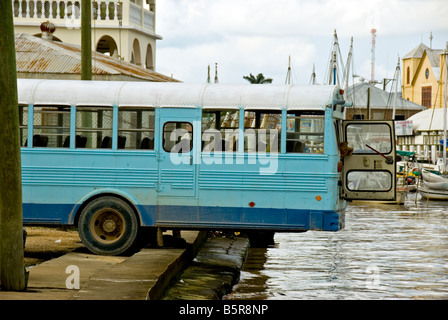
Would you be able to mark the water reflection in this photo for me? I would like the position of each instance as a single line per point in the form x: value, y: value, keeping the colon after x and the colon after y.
x: 385, y: 252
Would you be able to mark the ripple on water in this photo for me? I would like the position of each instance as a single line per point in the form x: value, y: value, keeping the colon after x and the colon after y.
x: 384, y: 252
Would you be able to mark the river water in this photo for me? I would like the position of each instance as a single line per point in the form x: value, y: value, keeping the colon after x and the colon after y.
x: 384, y: 252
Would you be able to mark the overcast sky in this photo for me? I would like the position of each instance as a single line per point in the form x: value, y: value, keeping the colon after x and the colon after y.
x: 258, y: 36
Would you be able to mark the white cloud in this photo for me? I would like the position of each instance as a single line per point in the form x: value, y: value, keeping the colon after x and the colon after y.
x: 254, y: 36
x: 236, y: 58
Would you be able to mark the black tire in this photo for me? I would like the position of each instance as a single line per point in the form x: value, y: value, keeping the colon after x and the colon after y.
x: 108, y: 226
x: 261, y: 239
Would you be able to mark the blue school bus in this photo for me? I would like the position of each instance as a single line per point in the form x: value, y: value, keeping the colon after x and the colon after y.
x: 116, y: 158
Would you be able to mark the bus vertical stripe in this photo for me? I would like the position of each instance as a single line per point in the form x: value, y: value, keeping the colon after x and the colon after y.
x: 30, y: 125
x: 241, y: 131
x: 73, y: 127
x: 115, y: 127
x: 283, y: 132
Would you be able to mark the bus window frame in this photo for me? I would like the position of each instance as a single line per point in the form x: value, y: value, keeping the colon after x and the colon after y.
x: 24, y: 126
x: 299, y: 114
x: 138, y: 131
x: 86, y: 130
x: 254, y: 131
x: 233, y: 131
x: 177, y: 144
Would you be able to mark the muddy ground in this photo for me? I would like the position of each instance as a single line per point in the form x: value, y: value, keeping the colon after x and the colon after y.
x: 44, y: 243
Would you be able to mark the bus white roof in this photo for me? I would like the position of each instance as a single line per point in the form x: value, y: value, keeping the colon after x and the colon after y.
x: 155, y: 94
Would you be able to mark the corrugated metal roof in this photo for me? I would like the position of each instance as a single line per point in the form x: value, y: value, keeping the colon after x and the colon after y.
x: 417, y: 52
x: 379, y: 99
x: 433, y: 54
x: 36, y: 55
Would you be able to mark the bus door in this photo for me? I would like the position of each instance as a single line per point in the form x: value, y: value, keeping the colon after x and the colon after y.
x: 368, y: 156
x: 177, y: 153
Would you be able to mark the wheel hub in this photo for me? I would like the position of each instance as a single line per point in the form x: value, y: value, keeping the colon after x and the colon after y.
x: 109, y: 225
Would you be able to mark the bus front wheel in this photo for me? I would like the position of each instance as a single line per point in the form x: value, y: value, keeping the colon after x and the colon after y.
x: 108, y: 226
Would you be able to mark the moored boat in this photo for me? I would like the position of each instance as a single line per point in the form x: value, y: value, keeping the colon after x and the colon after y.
x: 434, y: 186
x: 432, y: 176
x: 433, y: 194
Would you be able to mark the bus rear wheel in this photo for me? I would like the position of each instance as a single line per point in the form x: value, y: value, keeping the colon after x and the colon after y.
x: 108, y: 226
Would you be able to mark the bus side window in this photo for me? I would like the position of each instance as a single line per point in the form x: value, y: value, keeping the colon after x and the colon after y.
x: 177, y: 137
x: 23, y: 125
x: 95, y: 125
x: 262, y: 131
x: 305, y: 132
x: 220, y: 130
x: 136, y: 128
x: 51, y: 126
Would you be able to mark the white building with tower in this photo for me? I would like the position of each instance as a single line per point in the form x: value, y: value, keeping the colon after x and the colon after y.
x: 121, y: 28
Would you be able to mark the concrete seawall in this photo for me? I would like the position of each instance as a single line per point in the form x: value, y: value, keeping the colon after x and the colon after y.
x: 145, y: 275
x: 213, y: 272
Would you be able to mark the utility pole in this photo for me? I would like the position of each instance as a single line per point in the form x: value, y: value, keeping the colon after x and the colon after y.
x: 12, y: 271
x: 86, y: 40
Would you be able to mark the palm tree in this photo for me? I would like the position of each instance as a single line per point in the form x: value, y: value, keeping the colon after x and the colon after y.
x: 260, y: 79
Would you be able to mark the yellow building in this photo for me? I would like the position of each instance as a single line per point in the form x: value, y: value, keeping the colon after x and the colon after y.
x: 424, y: 76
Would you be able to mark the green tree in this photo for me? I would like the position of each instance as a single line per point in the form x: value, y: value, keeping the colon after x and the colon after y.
x: 12, y: 271
x: 259, y: 79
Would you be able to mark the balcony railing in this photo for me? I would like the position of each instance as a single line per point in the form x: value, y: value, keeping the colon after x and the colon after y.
x: 108, y: 10
x: 101, y: 10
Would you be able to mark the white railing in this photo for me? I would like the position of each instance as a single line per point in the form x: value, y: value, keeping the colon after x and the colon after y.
x: 104, y: 11
x: 63, y: 9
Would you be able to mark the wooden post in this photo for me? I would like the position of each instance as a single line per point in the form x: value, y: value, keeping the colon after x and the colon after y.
x: 12, y: 271
x: 86, y: 40
x: 368, y: 103
x: 159, y: 238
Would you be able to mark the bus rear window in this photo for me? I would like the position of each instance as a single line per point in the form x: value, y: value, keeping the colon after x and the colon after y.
x: 366, y: 138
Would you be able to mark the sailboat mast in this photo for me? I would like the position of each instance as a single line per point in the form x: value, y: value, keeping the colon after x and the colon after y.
x: 372, y: 63
x: 397, y: 74
x: 332, y: 72
x: 313, y: 75
x: 347, y: 71
x: 288, y: 74
x: 444, y: 109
